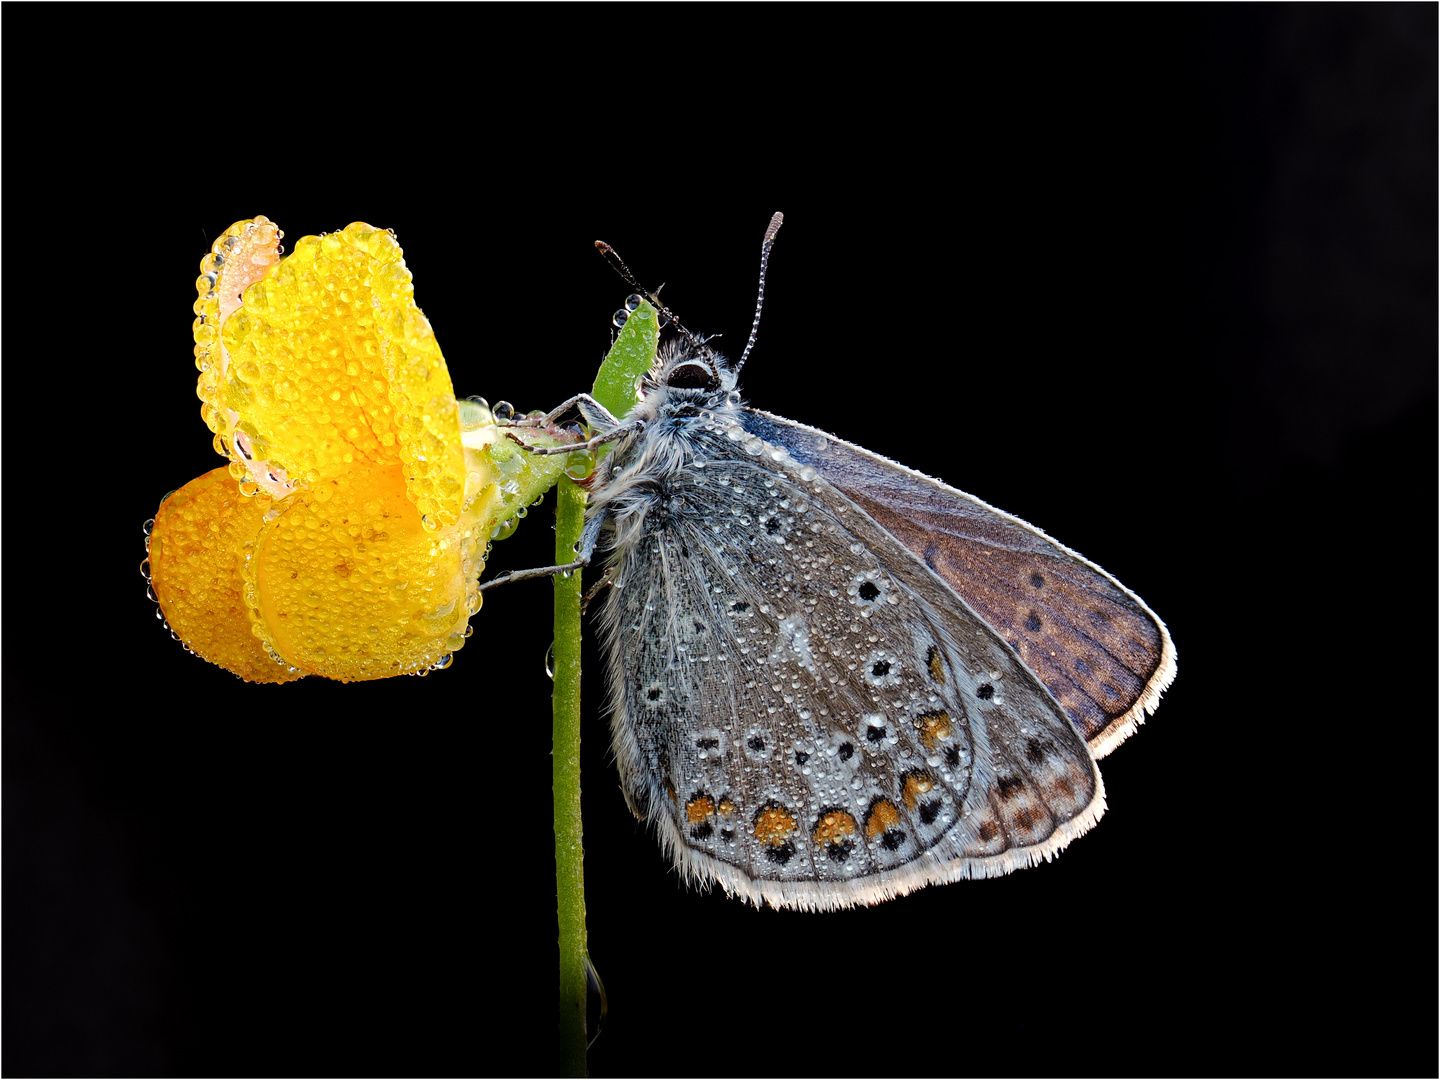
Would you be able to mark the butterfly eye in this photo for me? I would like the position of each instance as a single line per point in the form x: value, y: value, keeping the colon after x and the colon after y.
x: 693, y: 375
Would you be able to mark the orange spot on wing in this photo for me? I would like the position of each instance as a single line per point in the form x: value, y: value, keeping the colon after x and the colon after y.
x: 774, y: 826
x: 884, y: 815
x: 699, y: 808
x: 834, y: 827
x: 934, y: 727
x: 937, y: 669
x: 915, y: 785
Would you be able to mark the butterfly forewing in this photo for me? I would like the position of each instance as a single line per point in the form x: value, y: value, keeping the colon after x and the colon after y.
x: 810, y: 716
x: 1100, y: 651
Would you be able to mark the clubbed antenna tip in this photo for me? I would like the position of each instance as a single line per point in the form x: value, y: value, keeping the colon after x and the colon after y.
x: 770, y: 230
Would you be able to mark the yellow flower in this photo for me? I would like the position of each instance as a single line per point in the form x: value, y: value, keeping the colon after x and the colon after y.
x: 347, y: 532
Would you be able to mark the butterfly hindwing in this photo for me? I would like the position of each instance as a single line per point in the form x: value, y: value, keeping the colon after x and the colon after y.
x: 809, y: 715
x: 1101, y: 652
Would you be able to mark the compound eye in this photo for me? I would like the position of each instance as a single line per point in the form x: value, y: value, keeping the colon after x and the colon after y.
x: 692, y: 375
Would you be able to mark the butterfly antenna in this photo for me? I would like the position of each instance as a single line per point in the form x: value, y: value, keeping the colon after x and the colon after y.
x: 770, y: 232
x: 618, y: 265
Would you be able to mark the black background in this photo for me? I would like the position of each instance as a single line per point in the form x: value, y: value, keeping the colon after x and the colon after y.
x: 1161, y: 281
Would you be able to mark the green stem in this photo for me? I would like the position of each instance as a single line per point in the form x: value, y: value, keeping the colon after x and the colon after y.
x: 569, y: 847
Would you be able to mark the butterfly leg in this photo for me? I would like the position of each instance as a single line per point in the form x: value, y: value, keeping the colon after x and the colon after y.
x: 591, y: 409
x: 585, y: 551
x: 594, y: 590
x: 589, y: 444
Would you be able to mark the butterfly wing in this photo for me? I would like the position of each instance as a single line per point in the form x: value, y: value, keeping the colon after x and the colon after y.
x: 807, y: 714
x: 1094, y: 644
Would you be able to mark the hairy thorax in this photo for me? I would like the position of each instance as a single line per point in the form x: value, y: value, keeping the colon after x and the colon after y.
x: 650, y: 473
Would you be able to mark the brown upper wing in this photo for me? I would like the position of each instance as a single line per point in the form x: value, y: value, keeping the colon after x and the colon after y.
x: 1094, y: 644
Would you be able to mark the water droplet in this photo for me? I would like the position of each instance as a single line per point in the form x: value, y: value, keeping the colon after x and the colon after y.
x: 579, y: 464
x: 148, y: 527
x: 620, y: 317
x: 478, y: 400
x: 632, y: 302
x: 550, y: 660
x: 503, y: 410
x: 443, y: 663
x: 470, y: 630
x: 145, y: 568
x: 596, y: 1004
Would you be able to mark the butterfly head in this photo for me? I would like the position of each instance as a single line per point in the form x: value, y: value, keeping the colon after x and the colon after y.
x: 689, y: 370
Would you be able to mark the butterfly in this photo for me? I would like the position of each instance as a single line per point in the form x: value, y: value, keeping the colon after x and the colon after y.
x: 833, y: 679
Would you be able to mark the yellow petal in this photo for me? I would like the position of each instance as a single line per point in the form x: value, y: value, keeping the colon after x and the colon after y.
x: 197, y: 555
x: 352, y: 586
x: 329, y: 366
x: 238, y: 258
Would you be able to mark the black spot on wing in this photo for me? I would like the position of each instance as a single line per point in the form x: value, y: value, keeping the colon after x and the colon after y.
x: 781, y: 853
x: 841, y: 851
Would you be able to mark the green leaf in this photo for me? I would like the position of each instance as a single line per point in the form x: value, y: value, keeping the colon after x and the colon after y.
x: 630, y: 357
